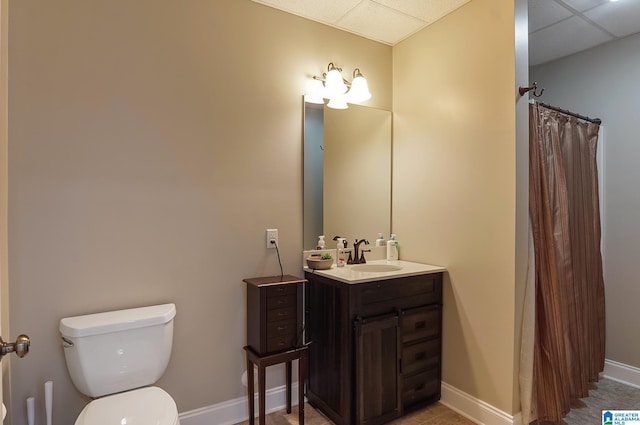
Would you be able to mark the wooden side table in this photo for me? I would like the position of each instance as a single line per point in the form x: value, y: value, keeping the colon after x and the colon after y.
x: 301, y: 354
x: 274, y: 335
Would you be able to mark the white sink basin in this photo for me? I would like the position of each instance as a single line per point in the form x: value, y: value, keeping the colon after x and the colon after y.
x: 376, y: 268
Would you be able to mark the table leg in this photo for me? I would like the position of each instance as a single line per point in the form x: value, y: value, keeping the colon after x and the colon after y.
x: 262, y: 393
x: 288, y: 384
x: 250, y: 391
x: 302, y: 375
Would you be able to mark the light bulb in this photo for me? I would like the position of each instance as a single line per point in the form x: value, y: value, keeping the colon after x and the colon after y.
x: 338, y: 102
x: 334, y: 85
x: 315, y: 92
x: 359, y: 90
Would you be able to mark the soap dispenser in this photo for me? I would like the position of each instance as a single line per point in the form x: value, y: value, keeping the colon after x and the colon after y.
x: 380, y: 240
x: 320, y: 244
x: 392, y: 248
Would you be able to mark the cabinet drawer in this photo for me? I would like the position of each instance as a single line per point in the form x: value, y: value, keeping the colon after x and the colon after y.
x: 281, y: 343
x: 420, y: 387
x: 420, y: 323
x: 406, y: 292
x: 282, y: 301
x: 420, y: 356
x: 279, y: 314
x: 282, y: 327
x: 279, y: 290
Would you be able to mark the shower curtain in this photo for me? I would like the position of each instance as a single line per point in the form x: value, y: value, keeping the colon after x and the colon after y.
x: 569, y: 288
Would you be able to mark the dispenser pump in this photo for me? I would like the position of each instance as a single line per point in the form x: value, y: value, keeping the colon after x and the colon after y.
x: 321, y: 244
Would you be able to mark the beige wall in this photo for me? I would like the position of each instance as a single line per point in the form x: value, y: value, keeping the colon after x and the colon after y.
x: 151, y: 143
x: 454, y: 186
x: 601, y: 82
x: 4, y: 270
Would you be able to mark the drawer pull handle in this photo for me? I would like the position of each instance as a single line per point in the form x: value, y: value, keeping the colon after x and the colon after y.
x: 421, y: 355
x: 421, y: 324
x: 281, y: 328
x: 282, y: 313
x: 280, y: 301
x: 281, y: 343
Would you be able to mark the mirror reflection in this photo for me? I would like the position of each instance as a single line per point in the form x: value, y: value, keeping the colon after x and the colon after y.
x: 347, y: 173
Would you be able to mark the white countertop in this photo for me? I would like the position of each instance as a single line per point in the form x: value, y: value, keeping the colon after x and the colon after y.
x: 347, y: 274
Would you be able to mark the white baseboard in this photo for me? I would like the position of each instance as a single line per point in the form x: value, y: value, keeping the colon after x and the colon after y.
x: 621, y: 372
x: 475, y: 409
x: 235, y: 411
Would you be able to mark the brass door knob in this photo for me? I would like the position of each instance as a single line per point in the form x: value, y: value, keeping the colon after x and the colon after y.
x: 20, y: 347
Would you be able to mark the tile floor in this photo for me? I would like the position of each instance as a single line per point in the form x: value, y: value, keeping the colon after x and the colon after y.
x: 435, y: 414
x: 605, y: 394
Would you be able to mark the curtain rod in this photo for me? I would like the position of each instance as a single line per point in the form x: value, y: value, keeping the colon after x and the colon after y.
x: 573, y: 114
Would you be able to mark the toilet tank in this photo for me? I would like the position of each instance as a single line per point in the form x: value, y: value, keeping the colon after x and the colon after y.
x: 116, y: 351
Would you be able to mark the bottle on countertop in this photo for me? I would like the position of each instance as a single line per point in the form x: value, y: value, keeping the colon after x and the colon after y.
x: 321, y: 244
x: 341, y: 254
x: 380, y: 240
x: 392, y: 248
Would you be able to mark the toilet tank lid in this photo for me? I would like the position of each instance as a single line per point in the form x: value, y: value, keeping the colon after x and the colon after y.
x: 114, y: 321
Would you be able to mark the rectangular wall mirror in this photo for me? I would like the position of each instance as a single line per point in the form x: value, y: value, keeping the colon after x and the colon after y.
x: 347, y: 173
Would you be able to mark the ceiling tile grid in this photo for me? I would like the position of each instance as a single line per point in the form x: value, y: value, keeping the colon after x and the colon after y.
x: 543, y: 13
x: 621, y: 18
x: 386, y: 21
x: 426, y: 10
x: 325, y: 11
x: 582, y: 5
x: 564, y: 38
x: 557, y: 28
x: 380, y: 23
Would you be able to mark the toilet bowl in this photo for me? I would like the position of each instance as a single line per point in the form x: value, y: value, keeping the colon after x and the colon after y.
x: 116, y: 357
x: 145, y: 406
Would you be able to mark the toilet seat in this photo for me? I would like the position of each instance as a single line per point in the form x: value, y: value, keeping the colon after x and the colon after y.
x: 145, y: 406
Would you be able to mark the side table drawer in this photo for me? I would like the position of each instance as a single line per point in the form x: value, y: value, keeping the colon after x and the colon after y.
x: 281, y: 343
x: 281, y: 314
x: 279, y: 290
x: 281, y: 301
x: 283, y: 327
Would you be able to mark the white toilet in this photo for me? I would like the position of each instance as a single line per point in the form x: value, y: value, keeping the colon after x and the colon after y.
x: 114, y: 357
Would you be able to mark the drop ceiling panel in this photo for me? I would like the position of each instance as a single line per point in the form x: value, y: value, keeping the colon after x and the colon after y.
x: 620, y: 18
x: 543, y: 13
x: 428, y: 11
x: 564, y: 38
x: 380, y: 23
x: 387, y: 21
x: 582, y: 5
x: 556, y: 27
x: 326, y: 11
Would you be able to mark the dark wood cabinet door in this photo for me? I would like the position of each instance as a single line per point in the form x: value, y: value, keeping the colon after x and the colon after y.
x: 328, y: 333
x: 378, y: 394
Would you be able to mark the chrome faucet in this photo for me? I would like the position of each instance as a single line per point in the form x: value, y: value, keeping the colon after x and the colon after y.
x: 356, y: 250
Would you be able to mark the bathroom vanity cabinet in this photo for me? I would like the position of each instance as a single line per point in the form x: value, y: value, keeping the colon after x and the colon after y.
x: 375, y: 347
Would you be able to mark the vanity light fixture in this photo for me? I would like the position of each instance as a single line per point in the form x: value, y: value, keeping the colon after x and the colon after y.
x: 339, y: 91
